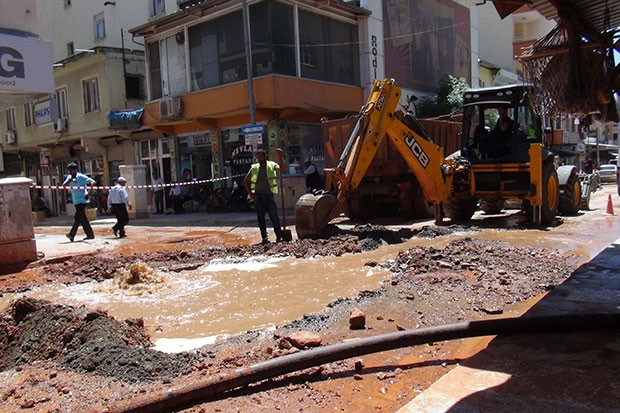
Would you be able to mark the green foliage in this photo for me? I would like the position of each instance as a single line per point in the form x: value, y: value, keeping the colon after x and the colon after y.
x: 449, y: 98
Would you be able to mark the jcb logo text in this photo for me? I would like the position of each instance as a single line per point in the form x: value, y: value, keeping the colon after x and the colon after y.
x: 416, y: 149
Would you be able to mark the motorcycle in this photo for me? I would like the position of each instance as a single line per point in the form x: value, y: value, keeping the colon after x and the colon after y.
x: 239, y: 200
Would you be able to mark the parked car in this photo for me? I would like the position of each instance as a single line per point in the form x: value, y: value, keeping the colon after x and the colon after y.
x: 608, y: 173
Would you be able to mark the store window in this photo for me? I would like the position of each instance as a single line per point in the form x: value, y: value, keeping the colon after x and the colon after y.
x: 305, y: 141
x: 238, y: 156
x: 155, y: 155
x: 195, y: 155
x: 94, y: 169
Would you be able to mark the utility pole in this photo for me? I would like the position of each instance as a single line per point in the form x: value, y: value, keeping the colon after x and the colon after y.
x: 248, y: 59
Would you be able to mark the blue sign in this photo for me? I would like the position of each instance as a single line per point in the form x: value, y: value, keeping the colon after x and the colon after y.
x: 255, y: 129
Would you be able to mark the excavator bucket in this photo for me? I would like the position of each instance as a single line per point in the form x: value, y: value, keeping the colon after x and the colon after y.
x: 313, y: 213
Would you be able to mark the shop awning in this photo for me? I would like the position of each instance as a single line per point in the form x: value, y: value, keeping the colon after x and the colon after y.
x: 126, y: 119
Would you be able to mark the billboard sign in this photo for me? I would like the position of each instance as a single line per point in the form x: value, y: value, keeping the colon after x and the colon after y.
x: 26, y: 65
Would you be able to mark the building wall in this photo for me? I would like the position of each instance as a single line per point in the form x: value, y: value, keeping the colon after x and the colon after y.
x: 19, y: 15
x: 494, y: 37
x: 55, y: 18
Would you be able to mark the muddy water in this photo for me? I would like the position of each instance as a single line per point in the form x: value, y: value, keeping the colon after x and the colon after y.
x: 228, y: 296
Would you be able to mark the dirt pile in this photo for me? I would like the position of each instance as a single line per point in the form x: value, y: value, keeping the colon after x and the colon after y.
x: 84, y: 340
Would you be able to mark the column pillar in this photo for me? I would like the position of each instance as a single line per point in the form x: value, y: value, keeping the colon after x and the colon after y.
x: 136, y: 176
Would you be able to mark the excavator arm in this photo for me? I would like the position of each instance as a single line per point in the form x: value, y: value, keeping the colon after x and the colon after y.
x: 381, y: 117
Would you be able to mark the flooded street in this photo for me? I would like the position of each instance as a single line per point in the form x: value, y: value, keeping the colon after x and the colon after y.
x: 183, y: 310
x: 174, y: 305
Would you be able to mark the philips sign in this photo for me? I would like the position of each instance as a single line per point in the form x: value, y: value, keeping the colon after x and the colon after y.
x: 45, y: 112
x: 26, y: 65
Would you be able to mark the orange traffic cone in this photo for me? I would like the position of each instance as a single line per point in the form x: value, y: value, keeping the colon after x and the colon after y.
x: 610, y: 206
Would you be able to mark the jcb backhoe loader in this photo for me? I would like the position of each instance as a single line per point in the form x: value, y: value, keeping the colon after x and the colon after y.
x: 490, y: 167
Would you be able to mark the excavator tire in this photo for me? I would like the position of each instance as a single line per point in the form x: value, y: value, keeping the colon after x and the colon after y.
x: 460, y: 210
x: 492, y: 205
x: 570, y: 198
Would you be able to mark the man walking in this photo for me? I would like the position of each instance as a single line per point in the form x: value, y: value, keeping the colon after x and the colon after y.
x: 158, y: 193
x: 118, y: 202
x: 261, y: 184
x: 80, y: 199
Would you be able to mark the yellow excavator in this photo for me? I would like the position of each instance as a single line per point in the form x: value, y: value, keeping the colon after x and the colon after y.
x: 490, y: 167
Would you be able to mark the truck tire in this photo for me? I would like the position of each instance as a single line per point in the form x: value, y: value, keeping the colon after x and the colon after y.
x: 492, y: 205
x: 570, y: 198
x: 460, y: 210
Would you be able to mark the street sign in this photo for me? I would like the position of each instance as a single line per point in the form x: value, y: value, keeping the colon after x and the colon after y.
x: 256, y: 129
x: 254, y: 139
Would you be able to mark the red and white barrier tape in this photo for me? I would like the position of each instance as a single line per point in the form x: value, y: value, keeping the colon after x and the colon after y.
x: 69, y: 187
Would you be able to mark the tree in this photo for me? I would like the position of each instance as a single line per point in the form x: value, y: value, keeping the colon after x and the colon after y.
x: 449, y: 99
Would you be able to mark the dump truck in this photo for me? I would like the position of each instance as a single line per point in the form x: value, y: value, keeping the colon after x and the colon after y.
x: 414, y: 176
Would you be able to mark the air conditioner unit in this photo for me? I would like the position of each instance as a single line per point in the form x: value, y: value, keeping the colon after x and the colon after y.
x: 10, y: 136
x: 170, y: 108
x: 60, y: 125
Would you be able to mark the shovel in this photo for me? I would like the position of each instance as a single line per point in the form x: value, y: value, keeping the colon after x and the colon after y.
x: 285, y: 233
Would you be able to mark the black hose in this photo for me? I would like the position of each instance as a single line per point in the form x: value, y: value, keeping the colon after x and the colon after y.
x: 184, y: 396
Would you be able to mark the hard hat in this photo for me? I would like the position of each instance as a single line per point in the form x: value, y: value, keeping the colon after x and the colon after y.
x: 121, y: 179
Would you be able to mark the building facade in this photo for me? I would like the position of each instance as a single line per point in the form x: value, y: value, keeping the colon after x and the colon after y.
x: 308, y: 60
x: 93, y: 113
x: 25, y: 74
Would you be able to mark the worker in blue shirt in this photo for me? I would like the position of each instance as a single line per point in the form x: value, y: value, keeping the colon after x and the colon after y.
x: 80, y: 201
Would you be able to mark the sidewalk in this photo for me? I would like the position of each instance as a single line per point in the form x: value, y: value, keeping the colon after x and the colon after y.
x: 52, y: 242
x: 190, y: 218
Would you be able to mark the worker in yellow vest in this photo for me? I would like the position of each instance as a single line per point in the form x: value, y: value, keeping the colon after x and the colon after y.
x: 261, y: 182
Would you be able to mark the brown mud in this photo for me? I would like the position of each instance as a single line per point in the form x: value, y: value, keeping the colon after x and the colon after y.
x: 61, y: 358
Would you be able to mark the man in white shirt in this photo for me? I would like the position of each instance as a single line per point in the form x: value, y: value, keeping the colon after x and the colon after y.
x: 118, y: 202
x: 158, y: 193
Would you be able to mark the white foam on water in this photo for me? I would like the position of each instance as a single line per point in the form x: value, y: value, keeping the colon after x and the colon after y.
x: 253, y: 264
x: 178, y: 345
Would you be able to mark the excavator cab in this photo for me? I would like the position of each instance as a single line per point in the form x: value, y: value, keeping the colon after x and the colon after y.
x: 503, y: 140
x: 498, y: 125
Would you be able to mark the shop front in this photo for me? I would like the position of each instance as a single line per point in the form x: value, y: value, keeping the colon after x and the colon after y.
x: 227, y: 153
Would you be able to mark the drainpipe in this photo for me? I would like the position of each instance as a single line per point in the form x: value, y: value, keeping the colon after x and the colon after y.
x: 175, y: 399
